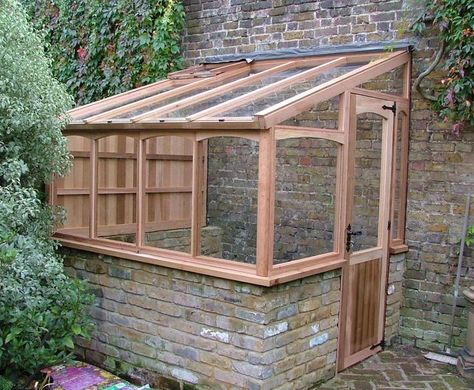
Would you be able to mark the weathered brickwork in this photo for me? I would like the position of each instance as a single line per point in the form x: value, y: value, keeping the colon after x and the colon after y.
x: 394, y: 298
x: 169, y: 328
x: 220, y: 27
x: 440, y: 165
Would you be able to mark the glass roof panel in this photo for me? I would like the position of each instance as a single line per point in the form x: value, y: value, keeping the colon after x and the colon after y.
x: 238, y: 91
x: 173, y: 99
x: 263, y: 102
x: 133, y: 97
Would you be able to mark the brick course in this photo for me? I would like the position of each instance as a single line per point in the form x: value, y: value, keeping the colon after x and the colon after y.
x: 161, y: 326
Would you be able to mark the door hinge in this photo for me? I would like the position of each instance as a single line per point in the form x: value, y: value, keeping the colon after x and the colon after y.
x: 391, y: 108
x: 381, y: 345
x: 389, y: 225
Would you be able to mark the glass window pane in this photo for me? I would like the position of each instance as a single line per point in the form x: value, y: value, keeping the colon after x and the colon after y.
x: 200, y: 106
x: 305, y: 198
x: 367, y: 170
x: 134, y: 97
x: 232, y: 184
x: 396, y: 205
x: 117, y: 182
x: 168, y: 193
x: 73, y: 190
x: 390, y: 82
x: 259, y: 104
x: 324, y: 115
x: 197, y: 90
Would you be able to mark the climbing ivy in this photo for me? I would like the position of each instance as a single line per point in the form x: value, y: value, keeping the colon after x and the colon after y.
x: 101, y: 48
x: 454, y: 22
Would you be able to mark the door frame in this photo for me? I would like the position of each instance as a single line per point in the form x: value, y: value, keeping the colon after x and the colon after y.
x: 356, y: 104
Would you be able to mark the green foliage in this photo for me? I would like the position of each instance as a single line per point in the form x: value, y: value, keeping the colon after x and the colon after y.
x: 454, y: 20
x: 470, y: 236
x: 5, y: 384
x: 101, y: 48
x: 41, y: 309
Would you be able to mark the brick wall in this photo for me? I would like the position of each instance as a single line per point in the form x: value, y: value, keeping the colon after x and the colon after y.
x: 440, y: 165
x: 172, y: 328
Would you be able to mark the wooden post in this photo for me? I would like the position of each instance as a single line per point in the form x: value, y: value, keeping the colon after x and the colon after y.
x: 94, y: 189
x: 266, y: 201
x: 140, y: 201
x: 197, y: 198
x: 347, y: 124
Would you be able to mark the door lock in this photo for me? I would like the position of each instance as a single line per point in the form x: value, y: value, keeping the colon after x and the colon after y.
x: 349, y: 234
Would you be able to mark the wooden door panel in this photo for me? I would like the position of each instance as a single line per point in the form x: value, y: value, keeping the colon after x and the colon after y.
x: 365, y: 286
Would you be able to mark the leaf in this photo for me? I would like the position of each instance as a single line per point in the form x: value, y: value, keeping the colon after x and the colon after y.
x: 67, y: 341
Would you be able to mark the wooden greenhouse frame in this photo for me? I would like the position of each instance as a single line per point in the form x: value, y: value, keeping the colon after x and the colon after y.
x: 143, y: 113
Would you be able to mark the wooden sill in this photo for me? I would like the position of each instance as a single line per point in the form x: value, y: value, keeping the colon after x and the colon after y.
x: 396, y: 249
x: 202, y: 265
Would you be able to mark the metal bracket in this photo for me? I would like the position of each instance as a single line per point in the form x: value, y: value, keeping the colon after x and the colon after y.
x: 381, y: 345
x: 391, y: 108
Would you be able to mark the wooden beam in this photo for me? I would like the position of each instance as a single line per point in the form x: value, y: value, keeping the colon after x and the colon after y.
x: 401, y: 100
x: 304, y: 263
x: 103, y: 129
x: 285, y: 132
x: 266, y: 201
x: 271, y: 88
x: 305, y: 100
x: 345, y: 173
x: 202, y: 83
x: 213, y: 92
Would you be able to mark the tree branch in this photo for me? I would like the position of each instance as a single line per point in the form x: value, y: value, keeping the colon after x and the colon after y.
x: 422, y: 75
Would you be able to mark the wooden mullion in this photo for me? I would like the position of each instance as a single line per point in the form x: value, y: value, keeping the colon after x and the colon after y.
x: 93, y: 189
x: 213, y: 92
x: 166, y: 95
x: 303, y: 101
x: 266, y: 201
x: 141, y: 184
x: 196, y: 205
x: 268, y: 89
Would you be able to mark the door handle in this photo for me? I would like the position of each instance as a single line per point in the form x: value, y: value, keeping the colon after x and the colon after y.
x: 349, y: 234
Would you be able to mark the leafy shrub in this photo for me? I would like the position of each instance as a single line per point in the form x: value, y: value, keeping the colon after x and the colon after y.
x: 454, y: 22
x: 41, y: 309
x: 101, y: 48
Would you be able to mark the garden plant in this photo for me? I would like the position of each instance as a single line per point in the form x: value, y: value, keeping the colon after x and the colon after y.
x: 41, y: 308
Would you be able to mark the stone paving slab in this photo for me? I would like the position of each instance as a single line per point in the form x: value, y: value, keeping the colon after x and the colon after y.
x: 397, y: 368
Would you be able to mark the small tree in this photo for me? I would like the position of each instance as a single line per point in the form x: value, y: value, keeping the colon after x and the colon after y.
x: 41, y: 309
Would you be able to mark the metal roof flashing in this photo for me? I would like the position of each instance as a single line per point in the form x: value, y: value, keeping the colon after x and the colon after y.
x: 316, y: 51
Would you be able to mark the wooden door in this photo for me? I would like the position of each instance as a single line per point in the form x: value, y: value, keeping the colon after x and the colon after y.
x: 367, y: 233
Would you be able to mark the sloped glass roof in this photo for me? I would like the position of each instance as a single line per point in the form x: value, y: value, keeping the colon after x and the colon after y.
x: 253, y: 94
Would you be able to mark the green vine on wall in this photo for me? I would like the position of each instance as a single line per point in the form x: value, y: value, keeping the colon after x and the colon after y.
x: 101, y: 48
x: 454, y: 22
